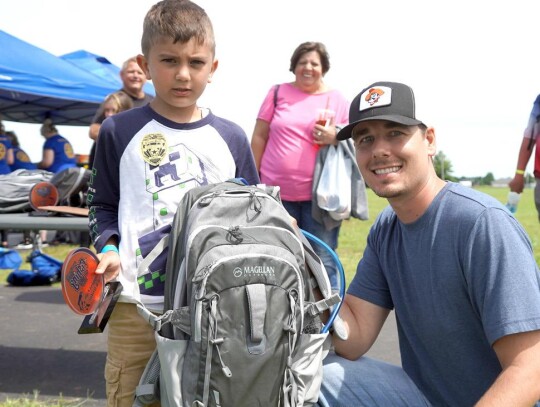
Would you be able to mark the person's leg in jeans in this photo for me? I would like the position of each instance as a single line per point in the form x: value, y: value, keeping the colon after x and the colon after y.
x: 301, y: 211
x: 367, y: 382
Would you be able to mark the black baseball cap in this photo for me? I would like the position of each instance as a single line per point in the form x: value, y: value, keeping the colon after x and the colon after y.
x: 390, y: 101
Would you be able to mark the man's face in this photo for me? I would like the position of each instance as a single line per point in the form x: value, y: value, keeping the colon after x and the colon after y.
x: 133, y: 78
x: 394, y: 159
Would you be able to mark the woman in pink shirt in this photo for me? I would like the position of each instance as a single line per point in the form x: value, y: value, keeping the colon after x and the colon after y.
x: 287, y: 137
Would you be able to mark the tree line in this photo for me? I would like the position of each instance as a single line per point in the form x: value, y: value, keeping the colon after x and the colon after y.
x: 443, y: 168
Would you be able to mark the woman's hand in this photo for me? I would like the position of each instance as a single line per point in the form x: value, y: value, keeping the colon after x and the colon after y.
x: 324, y: 135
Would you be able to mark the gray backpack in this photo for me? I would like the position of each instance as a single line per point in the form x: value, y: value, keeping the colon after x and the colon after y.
x: 16, y: 187
x: 242, y: 324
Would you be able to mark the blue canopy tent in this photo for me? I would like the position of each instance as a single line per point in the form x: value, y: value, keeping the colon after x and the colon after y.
x: 102, y: 67
x: 35, y: 85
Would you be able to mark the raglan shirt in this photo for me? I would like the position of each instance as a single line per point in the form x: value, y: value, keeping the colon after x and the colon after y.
x: 460, y: 277
x: 145, y: 164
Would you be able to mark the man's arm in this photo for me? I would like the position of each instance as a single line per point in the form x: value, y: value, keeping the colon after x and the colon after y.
x: 519, y: 382
x: 518, y: 182
x: 363, y: 321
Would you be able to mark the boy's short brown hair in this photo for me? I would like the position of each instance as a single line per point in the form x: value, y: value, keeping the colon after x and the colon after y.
x: 180, y: 20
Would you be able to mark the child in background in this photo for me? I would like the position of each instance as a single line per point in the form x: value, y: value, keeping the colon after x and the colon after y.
x: 146, y: 159
x: 115, y: 103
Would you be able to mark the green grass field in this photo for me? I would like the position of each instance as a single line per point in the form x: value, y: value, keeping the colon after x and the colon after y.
x: 351, y: 245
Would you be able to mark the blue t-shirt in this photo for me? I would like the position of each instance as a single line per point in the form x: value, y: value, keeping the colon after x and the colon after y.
x: 21, y: 161
x: 5, y: 145
x: 63, y: 153
x: 459, y: 278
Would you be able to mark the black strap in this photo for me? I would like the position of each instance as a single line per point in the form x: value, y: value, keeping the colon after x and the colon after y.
x: 275, y: 95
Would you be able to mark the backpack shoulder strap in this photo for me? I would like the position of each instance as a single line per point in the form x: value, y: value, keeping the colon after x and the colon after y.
x: 276, y: 88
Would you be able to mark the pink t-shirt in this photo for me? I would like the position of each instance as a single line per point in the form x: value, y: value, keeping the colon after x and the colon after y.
x: 289, y: 156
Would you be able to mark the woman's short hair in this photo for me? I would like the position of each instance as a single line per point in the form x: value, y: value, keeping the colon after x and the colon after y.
x: 306, y: 47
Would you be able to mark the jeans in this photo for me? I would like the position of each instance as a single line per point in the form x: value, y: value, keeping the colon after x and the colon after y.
x: 301, y: 211
x: 367, y: 383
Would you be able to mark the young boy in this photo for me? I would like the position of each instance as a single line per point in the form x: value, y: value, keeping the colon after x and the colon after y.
x: 146, y: 159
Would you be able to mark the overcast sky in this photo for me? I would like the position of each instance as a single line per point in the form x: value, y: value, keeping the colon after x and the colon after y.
x: 472, y: 64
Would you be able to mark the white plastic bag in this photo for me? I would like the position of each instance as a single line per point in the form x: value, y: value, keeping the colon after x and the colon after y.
x: 334, y: 188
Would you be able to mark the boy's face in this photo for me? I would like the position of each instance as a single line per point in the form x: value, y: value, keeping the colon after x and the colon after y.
x: 394, y: 159
x: 179, y: 73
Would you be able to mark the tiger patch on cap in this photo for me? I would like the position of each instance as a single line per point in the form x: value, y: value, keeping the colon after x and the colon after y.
x: 376, y: 97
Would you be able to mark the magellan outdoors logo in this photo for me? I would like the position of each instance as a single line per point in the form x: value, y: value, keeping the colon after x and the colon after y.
x: 253, y: 270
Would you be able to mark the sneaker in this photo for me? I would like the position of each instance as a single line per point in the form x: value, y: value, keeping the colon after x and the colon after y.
x: 24, y: 246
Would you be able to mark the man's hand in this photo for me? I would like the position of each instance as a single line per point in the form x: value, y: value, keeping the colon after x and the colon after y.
x: 517, y: 184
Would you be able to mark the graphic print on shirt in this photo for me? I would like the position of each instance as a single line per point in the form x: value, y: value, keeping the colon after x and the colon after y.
x: 169, y: 170
x: 22, y: 157
x: 68, y: 150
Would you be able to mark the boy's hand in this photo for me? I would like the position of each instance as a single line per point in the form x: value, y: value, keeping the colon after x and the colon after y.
x: 109, y: 265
